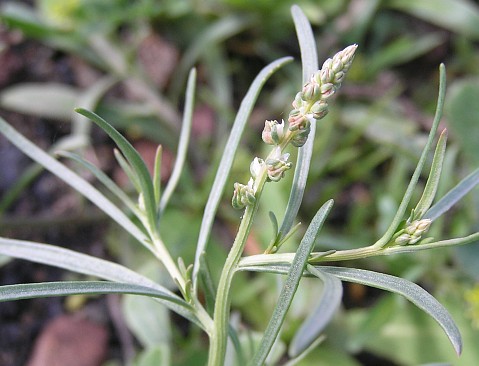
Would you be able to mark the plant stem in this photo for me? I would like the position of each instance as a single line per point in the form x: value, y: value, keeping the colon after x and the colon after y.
x: 219, y: 337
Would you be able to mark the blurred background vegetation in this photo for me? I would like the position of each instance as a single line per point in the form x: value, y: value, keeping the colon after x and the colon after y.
x: 128, y: 60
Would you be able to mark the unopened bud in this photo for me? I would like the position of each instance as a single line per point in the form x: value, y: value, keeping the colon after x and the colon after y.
x: 273, y: 132
x: 255, y: 167
x: 277, y: 167
x: 319, y: 109
x: 243, y: 195
x: 300, y: 137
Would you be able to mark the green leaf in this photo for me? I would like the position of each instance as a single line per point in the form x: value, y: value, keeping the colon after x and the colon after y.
x: 422, y: 160
x: 309, y: 60
x: 72, y: 179
x: 157, y: 174
x: 460, y: 16
x: 453, y: 196
x: 127, y: 169
x: 462, y: 110
x: 433, y: 180
x: 88, y: 265
x: 153, y: 356
x: 183, y: 143
x: 291, y: 284
x: 414, y: 293
x: 48, y: 100
x: 103, y: 178
x: 65, y: 288
x: 227, y: 159
x: 312, y: 327
x: 135, y: 160
x: 24, y: 18
x: 148, y: 320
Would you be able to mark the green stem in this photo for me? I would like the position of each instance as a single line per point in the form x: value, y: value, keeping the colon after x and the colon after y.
x: 219, y: 337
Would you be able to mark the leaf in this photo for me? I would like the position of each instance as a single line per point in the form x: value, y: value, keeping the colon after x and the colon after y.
x: 414, y: 293
x: 157, y: 174
x: 312, y: 327
x: 148, y: 321
x: 460, y: 16
x: 309, y: 60
x: 227, y: 159
x: 23, y: 17
x: 291, y: 284
x: 183, y: 143
x: 85, y: 264
x: 462, y: 110
x: 72, y: 179
x: 135, y: 160
x: 103, y: 178
x: 65, y: 288
x: 453, y: 196
x: 433, y: 180
x: 422, y: 160
x: 47, y: 100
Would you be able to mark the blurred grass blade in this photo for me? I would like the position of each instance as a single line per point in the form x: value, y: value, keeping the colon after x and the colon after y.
x: 216, y: 33
x: 183, y: 143
x: 82, y: 263
x: 135, y: 160
x: 291, y: 284
x: 460, y: 16
x: 309, y: 60
x: 417, y: 295
x: 103, y: 178
x: 433, y: 180
x: 227, y: 159
x: 422, y: 160
x: 314, y: 324
x: 453, y: 196
x: 72, y: 179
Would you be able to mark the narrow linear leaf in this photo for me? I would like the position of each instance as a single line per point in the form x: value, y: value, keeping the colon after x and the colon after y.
x: 433, y: 180
x: 183, y: 143
x: 295, y: 360
x: 135, y: 160
x: 309, y: 60
x: 72, y: 179
x: 127, y: 169
x: 312, y: 327
x: 453, y: 196
x: 422, y: 160
x: 88, y: 265
x: 102, y: 177
x: 157, y: 174
x: 227, y: 159
x: 65, y: 288
x: 414, y: 293
x: 291, y: 284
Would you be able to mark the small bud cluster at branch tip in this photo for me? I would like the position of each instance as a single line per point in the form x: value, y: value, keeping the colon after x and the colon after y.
x: 310, y: 105
x: 243, y: 195
x: 413, y: 232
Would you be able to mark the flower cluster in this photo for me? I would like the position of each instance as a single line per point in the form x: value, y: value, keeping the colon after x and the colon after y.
x: 413, y: 232
x: 310, y: 105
